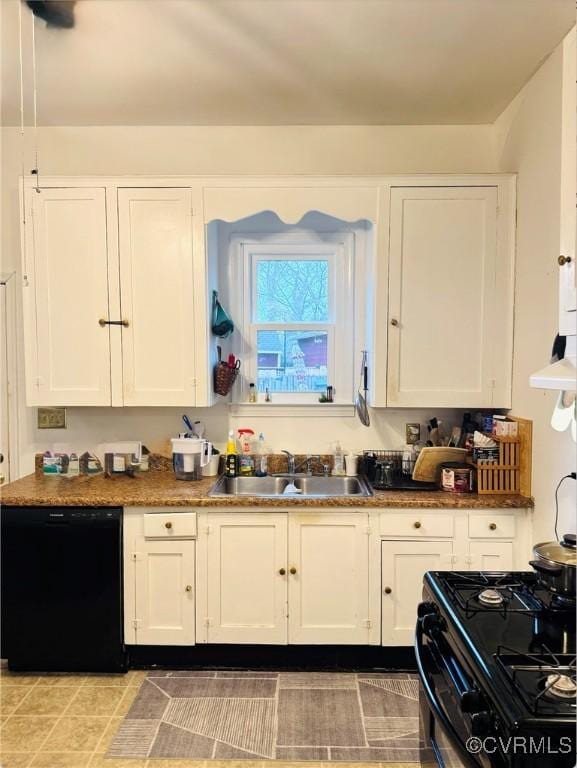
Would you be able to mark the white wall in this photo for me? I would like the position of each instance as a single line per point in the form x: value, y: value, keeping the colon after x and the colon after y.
x: 528, y: 141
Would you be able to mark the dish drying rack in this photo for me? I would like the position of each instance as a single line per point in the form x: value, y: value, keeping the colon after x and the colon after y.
x: 402, y: 468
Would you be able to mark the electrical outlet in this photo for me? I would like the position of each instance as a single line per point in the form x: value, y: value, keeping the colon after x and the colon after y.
x: 52, y: 418
x: 412, y: 433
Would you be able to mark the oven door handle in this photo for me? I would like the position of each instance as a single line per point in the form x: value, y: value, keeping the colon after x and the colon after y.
x: 435, y: 705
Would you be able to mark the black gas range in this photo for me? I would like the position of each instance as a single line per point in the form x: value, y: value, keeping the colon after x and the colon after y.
x: 496, y: 658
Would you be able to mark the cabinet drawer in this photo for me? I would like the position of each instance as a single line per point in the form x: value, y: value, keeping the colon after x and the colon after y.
x: 170, y: 525
x: 492, y: 526
x: 413, y: 522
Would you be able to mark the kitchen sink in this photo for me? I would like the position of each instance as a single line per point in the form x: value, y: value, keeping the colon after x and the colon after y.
x: 277, y: 485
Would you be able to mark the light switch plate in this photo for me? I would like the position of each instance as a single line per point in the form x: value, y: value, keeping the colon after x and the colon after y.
x: 52, y: 418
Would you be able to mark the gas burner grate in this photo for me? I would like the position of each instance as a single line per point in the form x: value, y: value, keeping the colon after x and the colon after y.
x: 498, y: 593
x: 502, y: 593
x: 546, y: 681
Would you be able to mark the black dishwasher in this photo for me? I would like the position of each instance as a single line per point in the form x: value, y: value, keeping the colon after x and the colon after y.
x: 62, y: 589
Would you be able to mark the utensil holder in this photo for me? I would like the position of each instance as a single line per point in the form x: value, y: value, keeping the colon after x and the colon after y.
x: 224, y: 378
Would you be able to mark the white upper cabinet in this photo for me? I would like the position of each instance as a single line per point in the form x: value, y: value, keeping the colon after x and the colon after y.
x: 114, y: 300
x: 65, y: 295
x: 117, y: 309
x: 449, y: 317
x: 157, y: 289
x: 567, y: 292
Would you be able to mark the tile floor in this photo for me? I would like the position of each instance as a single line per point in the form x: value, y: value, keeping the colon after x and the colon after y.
x: 68, y: 721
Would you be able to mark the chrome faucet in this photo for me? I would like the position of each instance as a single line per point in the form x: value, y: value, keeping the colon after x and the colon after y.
x: 308, y: 462
x: 290, y: 462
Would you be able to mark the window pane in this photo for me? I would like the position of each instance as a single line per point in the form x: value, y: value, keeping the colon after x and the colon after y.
x: 292, y: 291
x: 292, y: 361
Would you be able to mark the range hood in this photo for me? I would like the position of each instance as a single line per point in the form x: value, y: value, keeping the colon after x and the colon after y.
x: 559, y: 375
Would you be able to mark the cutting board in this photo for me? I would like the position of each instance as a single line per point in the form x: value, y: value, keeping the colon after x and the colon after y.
x: 426, y: 466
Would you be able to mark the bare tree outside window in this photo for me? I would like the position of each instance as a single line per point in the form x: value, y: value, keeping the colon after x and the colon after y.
x: 292, y: 291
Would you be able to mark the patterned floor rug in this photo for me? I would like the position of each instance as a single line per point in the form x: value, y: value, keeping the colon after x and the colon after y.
x: 272, y: 715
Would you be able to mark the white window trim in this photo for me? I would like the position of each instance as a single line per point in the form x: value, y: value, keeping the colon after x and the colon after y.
x: 243, y: 248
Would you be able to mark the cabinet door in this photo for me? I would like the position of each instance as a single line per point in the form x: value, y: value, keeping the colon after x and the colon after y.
x: 567, y: 292
x: 450, y: 331
x: 404, y: 564
x: 491, y: 555
x: 329, y: 589
x: 156, y: 286
x: 65, y: 260
x: 246, y: 591
x: 165, y: 592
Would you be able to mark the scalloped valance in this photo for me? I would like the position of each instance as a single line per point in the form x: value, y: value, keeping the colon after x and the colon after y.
x: 290, y: 204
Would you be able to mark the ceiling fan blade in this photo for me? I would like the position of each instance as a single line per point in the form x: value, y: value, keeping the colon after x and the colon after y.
x: 56, y: 13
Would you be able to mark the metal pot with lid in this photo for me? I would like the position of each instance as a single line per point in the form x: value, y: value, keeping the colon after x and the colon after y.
x: 556, y: 564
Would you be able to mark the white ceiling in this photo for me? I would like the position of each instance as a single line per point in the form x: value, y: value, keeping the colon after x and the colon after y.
x: 281, y: 62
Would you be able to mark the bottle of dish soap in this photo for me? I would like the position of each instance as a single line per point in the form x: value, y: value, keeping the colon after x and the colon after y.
x: 339, y: 461
x: 231, y: 465
x: 246, y: 461
x: 261, y: 467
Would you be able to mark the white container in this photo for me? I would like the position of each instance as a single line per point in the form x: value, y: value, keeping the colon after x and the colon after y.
x: 189, y: 456
x: 211, y: 469
x: 351, y: 463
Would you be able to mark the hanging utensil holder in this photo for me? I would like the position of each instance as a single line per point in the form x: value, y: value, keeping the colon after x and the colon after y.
x: 224, y: 376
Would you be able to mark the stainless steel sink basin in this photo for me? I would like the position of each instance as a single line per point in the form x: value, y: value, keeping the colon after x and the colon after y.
x: 307, y: 487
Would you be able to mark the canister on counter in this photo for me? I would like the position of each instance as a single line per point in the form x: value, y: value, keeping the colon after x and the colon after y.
x: 457, y: 477
x: 488, y: 424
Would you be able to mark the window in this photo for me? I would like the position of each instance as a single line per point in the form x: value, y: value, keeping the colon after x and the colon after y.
x: 297, y: 315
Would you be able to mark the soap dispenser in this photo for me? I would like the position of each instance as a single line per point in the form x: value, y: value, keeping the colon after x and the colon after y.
x: 339, y: 461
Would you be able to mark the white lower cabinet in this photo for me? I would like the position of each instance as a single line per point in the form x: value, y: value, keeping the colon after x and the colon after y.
x: 246, y: 578
x: 328, y: 578
x: 165, y: 590
x: 284, y: 578
x: 311, y: 577
x: 160, y: 585
x: 403, y: 564
x: 491, y: 556
x: 414, y: 542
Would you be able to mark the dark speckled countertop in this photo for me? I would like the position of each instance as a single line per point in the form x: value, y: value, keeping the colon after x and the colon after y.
x: 160, y: 488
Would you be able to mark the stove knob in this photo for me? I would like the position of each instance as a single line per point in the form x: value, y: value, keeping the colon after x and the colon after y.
x: 432, y: 622
x: 481, y: 724
x: 425, y: 608
x: 472, y: 702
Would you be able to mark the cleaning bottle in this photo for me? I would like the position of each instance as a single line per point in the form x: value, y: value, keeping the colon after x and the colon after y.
x: 231, y: 464
x: 261, y: 468
x: 246, y: 461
